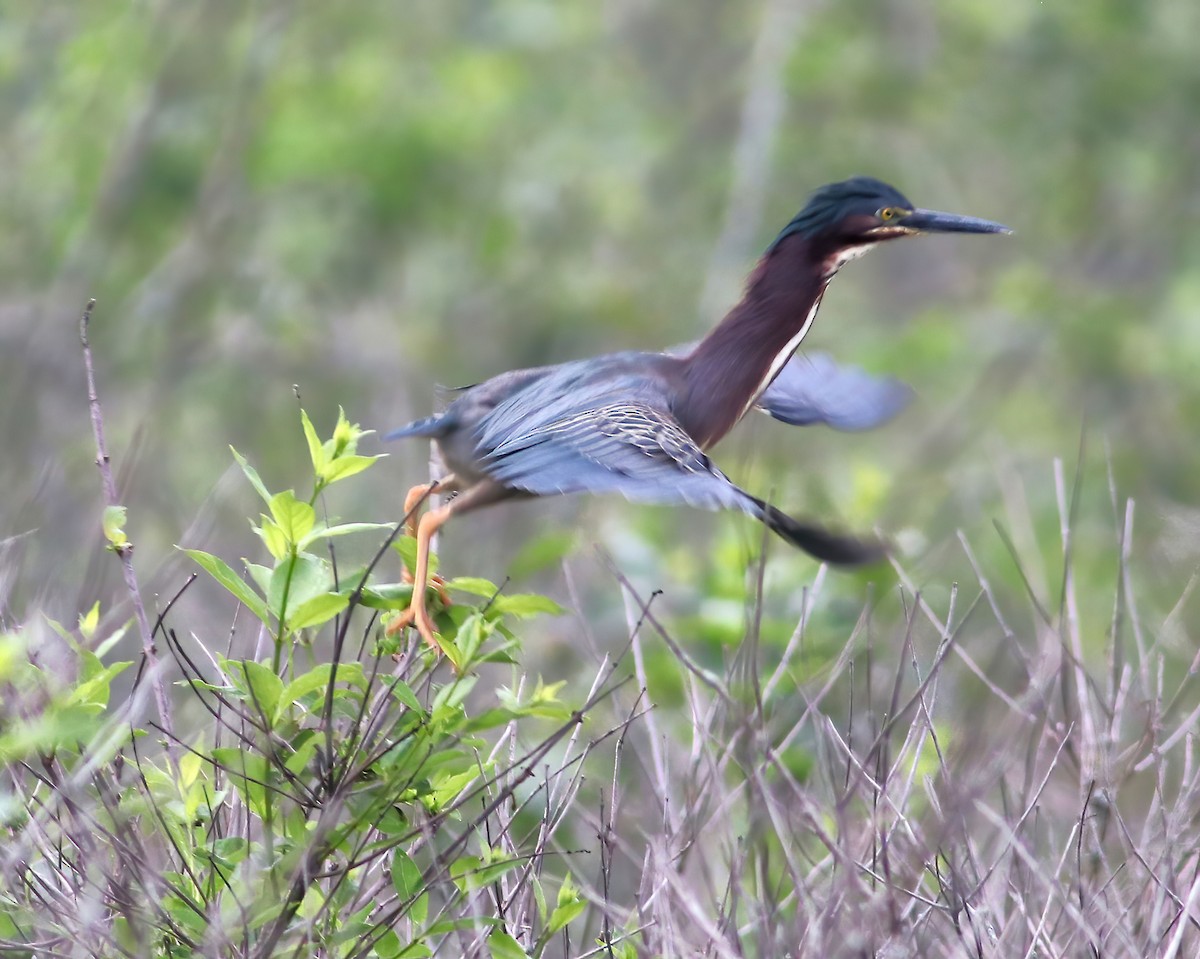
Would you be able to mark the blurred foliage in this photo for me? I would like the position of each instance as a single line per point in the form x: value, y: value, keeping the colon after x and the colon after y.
x: 346, y: 205
x: 366, y: 200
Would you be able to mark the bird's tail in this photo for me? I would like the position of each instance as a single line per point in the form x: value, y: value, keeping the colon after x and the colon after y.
x: 435, y: 426
x: 818, y: 542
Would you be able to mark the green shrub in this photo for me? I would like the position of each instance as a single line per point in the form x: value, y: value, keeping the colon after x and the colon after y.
x: 862, y: 788
x: 338, y: 804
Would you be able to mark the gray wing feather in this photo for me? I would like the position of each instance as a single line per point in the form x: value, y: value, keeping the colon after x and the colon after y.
x: 543, y: 401
x: 812, y: 388
x: 645, y: 454
x: 435, y: 426
x: 472, y: 404
x: 626, y: 448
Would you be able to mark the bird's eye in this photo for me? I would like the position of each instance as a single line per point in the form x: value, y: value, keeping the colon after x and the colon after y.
x: 888, y: 213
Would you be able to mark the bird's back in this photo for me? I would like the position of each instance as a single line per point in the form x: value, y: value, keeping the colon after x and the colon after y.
x: 483, y: 417
x: 570, y: 389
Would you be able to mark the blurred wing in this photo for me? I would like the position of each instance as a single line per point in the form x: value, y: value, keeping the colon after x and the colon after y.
x: 646, y: 455
x: 813, y: 388
x: 627, y: 448
x: 471, y: 404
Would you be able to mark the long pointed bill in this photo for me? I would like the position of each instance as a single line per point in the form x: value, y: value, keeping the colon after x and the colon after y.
x: 931, y: 221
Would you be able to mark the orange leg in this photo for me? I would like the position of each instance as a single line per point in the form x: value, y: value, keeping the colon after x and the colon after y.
x: 417, y: 614
x: 412, y: 502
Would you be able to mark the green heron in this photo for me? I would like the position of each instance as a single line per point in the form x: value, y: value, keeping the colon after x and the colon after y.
x: 639, y: 423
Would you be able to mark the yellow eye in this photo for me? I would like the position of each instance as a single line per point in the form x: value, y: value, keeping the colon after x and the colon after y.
x: 888, y: 213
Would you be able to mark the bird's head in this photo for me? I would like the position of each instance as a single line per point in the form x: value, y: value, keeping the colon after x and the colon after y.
x: 847, y: 218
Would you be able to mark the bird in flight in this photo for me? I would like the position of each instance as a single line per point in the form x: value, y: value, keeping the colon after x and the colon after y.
x: 641, y: 423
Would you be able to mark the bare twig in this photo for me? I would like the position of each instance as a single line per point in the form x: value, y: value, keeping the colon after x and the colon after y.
x: 124, y: 551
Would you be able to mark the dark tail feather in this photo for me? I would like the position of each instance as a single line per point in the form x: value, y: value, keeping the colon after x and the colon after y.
x: 819, y: 542
x: 434, y: 426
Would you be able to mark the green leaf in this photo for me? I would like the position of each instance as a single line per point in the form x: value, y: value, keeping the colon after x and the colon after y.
x: 450, y: 650
x: 569, y: 906
x: 488, y: 873
x: 272, y: 537
x: 325, y: 532
x: 454, y: 694
x: 189, y: 768
x: 470, y: 636
x: 61, y: 728
x: 407, y: 549
x: 113, y: 638
x: 262, y: 685
x: 295, y: 518
x: 227, y: 852
x: 350, y: 674
x: 452, y: 786
x: 89, y: 663
x: 473, y: 585
x: 406, y: 880
x: 523, y: 605
x: 252, y: 475
x: 539, y: 895
x: 346, y: 435
x: 564, y: 914
x: 543, y: 702
x: 403, y: 692
x: 260, y: 574
x: 567, y: 892
x: 624, y: 949
x: 248, y: 772
x: 89, y: 621
x: 114, y: 523
x: 95, y: 691
x: 302, y: 577
x: 488, y: 719
x: 220, y: 571
x: 503, y: 946
x: 388, y: 945
x: 347, y: 466
x: 299, y: 760
x: 460, y: 869
x: 315, y: 451
x: 387, y: 596
x: 444, y: 926
x: 318, y: 610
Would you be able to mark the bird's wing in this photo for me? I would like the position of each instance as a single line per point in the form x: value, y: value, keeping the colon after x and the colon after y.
x: 643, y: 453
x: 618, y: 447
x: 812, y: 388
x: 471, y: 404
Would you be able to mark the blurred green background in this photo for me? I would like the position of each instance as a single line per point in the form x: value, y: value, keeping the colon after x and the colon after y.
x: 369, y: 199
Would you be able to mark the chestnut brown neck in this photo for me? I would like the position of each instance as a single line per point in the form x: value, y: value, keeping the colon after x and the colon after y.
x: 731, y: 366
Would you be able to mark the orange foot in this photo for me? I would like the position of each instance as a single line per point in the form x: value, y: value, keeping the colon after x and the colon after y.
x: 412, y: 615
x: 417, y: 613
x: 435, y: 581
x: 419, y: 617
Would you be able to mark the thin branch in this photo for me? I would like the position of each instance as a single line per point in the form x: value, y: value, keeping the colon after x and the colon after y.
x: 124, y: 551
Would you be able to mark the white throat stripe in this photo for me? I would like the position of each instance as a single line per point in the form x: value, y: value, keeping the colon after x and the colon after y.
x: 785, y: 354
